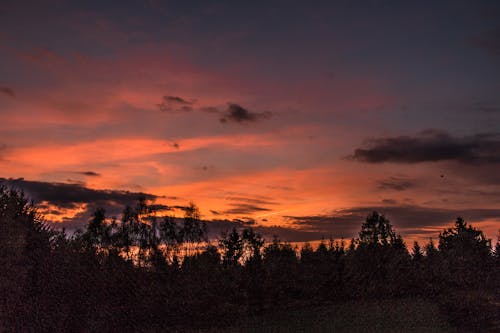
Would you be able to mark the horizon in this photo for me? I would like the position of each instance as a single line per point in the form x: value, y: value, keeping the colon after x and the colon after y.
x: 284, y: 117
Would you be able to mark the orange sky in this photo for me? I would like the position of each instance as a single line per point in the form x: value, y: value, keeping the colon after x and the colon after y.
x: 228, y: 111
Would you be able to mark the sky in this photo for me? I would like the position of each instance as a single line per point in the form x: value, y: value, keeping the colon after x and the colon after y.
x: 293, y: 117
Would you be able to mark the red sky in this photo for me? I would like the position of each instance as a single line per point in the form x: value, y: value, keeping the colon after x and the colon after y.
x: 275, y: 113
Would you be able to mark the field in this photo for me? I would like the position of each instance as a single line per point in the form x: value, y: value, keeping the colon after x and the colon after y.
x: 405, y: 315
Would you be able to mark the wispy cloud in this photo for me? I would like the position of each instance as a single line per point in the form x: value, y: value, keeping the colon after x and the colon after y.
x: 89, y: 173
x: 243, y: 209
x: 406, y: 218
x: 174, y: 104
x: 233, y: 113
x: 7, y: 91
x: 395, y: 183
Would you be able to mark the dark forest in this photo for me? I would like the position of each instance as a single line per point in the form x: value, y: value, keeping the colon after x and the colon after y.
x: 149, y: 273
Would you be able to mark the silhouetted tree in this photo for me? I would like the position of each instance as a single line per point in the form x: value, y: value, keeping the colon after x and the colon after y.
x: 252, y: 244
x: 464, y: 242
x: 97, y: 233
x: 232, y: 247
x: 131, y: 275
x: 376, y: 230
x: 194, y: 230
x: 417, y: 253
x: 380, y: 263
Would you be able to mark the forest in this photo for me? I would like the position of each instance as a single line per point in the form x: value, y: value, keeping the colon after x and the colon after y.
x: 145, y: 272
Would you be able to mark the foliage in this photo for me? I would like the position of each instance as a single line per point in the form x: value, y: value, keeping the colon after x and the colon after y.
x: 146, y: 272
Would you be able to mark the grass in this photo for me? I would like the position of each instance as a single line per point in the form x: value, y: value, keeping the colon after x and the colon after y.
x: 402, y: 315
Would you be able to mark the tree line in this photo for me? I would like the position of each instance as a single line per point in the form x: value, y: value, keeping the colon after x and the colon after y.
x: 146, y: 272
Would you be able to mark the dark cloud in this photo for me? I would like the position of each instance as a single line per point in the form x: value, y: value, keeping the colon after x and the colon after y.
x: 389, y: 201
x: 432, y: 146
x: 69, y: 195
x: 406, y: 218
x: 176, y: 99
x: 395, y: 183
x: 234, y: 112
x: 242, y: 208
x: 238, y: 114
x: 216, y: 227
x: 7, y: 91
x: 89, y: 173
x: 245, y: 205
x: 257, y: 201
x: 179, y: 207
x: 175, y: 103
x: 159, y: 207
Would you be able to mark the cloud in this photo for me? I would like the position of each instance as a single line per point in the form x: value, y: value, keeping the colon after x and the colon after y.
x: 258, y: 201
x: 7, y: 91
x: 406, y: 219
x: 217, y: 226
x: 244, y: 205
x: 389, y: 201
x: 242, y: 208
x: 234, y: 112
x: 238, y: 114
x: 395, y: 183
x: 432, y: 146
x: 89, y: 173
x: 174, y: 104
x: 73, y: 195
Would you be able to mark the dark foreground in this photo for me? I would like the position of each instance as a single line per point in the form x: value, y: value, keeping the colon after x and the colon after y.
x: 402, y: 315
x: 147, y: 273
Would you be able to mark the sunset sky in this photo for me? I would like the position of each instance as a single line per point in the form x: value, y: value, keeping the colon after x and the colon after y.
x: 298, y: 118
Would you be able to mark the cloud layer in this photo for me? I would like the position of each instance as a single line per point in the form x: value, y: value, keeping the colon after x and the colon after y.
x: 55, y: 196
x: 238, y: 114
x: 408, y: 219
x: 432, y: 146
x: 234, y: 112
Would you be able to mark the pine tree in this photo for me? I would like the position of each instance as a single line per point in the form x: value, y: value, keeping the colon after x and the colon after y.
x: 417, y: 253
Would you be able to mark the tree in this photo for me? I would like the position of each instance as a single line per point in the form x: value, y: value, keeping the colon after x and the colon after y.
x: 231, y: 246
x: 170, y: 237
x: 194, y: 230
x: 464, y: 242
x: 96, y: 234
x: 430, y: 249
x: 378, y: 265
x: 376, y: 230
x: 252, y: 244
x: 497, y: 248
x: 417, y: 253
x: 466, y: 253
